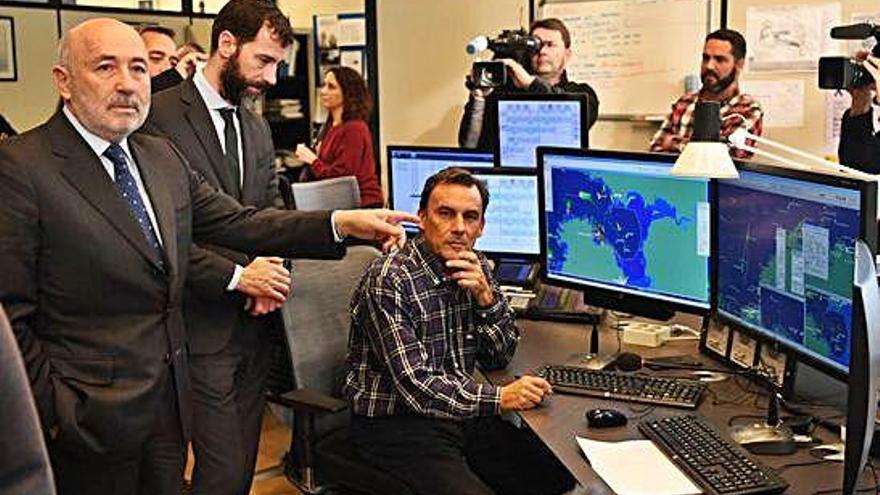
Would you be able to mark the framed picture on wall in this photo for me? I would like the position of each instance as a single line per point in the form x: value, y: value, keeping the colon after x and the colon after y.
x: 7, y: 49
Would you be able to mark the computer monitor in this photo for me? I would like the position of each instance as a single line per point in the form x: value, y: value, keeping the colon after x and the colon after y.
x: 410, y: 166
x: 529, y: 120
x: 620, y: 227
x: 785, y: 262
x: 512, y: 216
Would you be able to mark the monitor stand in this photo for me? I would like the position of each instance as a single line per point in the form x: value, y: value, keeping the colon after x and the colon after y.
x: 594, y: 360
x: 770, y: 437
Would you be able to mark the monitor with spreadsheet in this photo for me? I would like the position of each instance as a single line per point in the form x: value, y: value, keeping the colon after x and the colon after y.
x: 512, y: 215
x: 410, y: 166
x: 786, y: 244
x: 529, y: 120
x: 620, y: 227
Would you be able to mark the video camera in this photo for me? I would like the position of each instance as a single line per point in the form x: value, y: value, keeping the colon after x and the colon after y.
x: 513, y: 44
x: 844, y: 72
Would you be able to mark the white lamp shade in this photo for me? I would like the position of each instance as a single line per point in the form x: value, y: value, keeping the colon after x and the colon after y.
x: 705, y: 159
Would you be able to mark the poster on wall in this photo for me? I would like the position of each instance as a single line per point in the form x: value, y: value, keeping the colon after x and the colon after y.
x: 791, y: 37
x: 781, y: 100
x: 7, y: 50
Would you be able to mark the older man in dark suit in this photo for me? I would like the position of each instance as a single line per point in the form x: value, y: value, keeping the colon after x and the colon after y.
x: 231, y: 147
x: 96, y: 223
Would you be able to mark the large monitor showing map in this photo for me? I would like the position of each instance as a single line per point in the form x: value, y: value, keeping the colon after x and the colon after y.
x: 529, y: 120
x: 622, y: 228
x: 786, y: 244
x: 512, y: 215
x: 410, y: 166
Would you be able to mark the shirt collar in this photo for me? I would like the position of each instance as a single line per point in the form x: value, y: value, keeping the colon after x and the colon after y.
x: 433, y: 264
x: 98, y: 144
x: 212, y: 98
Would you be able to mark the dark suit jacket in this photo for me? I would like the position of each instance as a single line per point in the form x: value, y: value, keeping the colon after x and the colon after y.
x: 24, y: 462
x: 97, y: 318
x: 179, y: 113
x: 165, y: 80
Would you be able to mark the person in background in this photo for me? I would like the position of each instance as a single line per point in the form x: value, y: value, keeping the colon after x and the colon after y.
x: 479, y: 124
x: 860, y: 128
x: 168, y: 65
x: 345, y: 144
x: 724, y: 54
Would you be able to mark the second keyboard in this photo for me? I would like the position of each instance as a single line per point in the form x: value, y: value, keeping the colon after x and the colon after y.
x: 675, y: 392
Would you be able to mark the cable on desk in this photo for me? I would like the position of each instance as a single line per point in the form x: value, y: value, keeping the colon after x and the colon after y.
x: 801, y: 464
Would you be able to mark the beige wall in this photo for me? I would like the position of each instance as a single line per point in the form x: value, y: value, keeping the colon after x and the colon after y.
x: 30, y: 100
x: 422, y: 64
x: 301, y: 12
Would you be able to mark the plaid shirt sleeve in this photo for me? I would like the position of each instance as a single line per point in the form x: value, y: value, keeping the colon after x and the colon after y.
x: 669, y: 137
x: 497, y: 332
x: 752, y: 120
x: 392, y: 334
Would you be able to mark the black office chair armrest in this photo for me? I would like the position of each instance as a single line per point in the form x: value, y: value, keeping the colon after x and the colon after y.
x: 311, y: 401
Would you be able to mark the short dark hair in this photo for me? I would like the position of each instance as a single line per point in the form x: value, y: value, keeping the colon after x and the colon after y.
x: 244, y: 18
x: 356, y: 100
x: 457, y: 176
x: 554, y: 24
x: 736, y: 40
x: 167, y: 31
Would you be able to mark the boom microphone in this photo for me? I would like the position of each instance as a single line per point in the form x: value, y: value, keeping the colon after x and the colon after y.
x: 854, y: 31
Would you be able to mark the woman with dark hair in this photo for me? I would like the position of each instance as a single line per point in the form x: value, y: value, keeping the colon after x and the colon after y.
x: 346, y: 146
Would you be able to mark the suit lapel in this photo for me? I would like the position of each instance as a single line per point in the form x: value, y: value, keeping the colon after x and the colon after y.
x: 249, y: 131
x: 203, y: 127
x: 83, y: 169
x: 160, y: 197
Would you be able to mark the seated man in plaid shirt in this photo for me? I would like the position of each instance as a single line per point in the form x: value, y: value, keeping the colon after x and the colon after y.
x: 724, y: 53
x: 422, y: 319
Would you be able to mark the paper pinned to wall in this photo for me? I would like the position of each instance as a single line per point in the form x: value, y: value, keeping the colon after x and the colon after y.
x: 353, y: 59
x: 790, y: 37
x: 352, y: 30
x: 836, y: 103
x: 782, y: 101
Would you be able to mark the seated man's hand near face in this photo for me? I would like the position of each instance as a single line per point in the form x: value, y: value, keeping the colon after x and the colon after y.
x: 468, y: 273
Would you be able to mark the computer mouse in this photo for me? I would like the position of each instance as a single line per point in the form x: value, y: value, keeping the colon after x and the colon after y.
x: 604, y: 418
x: 764, y: 439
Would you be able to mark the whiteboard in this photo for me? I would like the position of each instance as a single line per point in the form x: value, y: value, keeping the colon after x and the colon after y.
x: 634, y: 53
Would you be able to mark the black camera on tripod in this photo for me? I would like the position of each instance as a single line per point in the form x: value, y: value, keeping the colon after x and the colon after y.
x: 844, y: 72
x: 516, y: 44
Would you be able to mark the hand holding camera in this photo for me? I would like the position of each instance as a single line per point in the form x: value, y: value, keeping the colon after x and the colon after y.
x: 863, y: 95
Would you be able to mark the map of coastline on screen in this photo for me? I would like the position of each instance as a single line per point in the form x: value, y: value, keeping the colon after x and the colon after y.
x: 785, y: 261
x: 628, y: 226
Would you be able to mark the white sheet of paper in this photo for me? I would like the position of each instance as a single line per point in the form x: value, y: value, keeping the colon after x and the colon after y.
x: 657, y: 475
x: 836, y: 103
x: 790, y: 37
x: 781, y: 100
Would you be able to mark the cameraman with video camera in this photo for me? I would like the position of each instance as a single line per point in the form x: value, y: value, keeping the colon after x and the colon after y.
x: 547, y: 75
x: 860, y: 128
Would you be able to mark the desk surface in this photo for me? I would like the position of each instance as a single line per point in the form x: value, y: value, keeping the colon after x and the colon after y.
x: 561, y: 417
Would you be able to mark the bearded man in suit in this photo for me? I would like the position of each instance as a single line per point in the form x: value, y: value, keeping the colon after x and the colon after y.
x: 227, y: 324
x: 96, y: 224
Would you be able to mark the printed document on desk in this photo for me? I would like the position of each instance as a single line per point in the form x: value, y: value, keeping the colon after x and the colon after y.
x: 614, y: 461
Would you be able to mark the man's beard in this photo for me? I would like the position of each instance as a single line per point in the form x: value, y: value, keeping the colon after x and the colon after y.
x: 722, y: 84
x: 233, y: 85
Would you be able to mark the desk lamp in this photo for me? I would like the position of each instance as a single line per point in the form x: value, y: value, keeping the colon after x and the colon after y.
x: 706, y: 155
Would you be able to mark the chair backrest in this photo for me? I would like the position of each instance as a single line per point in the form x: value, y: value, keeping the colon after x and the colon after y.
x: 317, y: 321
x: 329, y: 194
x: 25, y: 467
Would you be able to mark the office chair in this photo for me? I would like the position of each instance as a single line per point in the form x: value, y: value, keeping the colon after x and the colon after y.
x: 339, y: 193
x: 315, y: 342
x: 25, y: 467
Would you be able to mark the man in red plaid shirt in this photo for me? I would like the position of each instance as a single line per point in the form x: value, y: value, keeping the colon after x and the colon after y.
x: 723, y: 56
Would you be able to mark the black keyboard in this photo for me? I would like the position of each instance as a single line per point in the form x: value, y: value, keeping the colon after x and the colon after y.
x: 711, y: 460
x: 675, y: 392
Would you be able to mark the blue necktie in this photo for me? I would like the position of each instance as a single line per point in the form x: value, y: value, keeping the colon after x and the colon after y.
x: 129, y: 191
